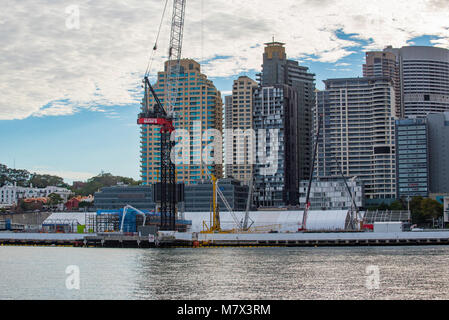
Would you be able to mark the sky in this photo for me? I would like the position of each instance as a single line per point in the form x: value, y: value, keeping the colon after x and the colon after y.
x: 70, y: 79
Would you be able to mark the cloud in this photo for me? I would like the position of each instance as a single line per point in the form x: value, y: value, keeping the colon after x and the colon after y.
x: 50, y: 68
x: 342, y: 64
x: 66, y: 175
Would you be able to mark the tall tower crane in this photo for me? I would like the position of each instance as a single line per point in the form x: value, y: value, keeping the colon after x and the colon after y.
x: 163, y: 117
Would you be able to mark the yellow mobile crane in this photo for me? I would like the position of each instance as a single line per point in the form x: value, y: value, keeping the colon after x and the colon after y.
x: 215, y: 226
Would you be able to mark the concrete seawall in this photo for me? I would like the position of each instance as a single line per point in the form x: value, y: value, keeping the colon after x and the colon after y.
x: 31, y: 218
x: 303, y: 239
x: 176, y: 239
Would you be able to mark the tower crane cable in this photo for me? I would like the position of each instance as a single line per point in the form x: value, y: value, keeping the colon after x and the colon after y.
x: 150, y: 61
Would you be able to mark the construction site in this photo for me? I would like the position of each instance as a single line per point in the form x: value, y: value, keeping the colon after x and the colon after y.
x: 168, y: 226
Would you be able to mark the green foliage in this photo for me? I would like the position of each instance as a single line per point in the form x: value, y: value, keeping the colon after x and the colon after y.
x: 85, y: 204
x: 55, y: 199
x: 397, y: 205
x: 45, y: 180
x: 25, y: 179
x: 423, y: 210
x: 102, y: 180
x: 7, y: 175
x: 94, y: 184
x: 29, y: 206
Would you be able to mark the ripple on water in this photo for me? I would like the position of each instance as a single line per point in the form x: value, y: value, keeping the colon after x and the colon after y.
x: 225, y: 273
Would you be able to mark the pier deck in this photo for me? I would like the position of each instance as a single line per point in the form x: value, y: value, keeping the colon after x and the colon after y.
x: 176, y: 239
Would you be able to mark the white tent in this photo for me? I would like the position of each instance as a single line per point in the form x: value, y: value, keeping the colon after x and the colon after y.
x: 282, y: 221
x: 80, y: 217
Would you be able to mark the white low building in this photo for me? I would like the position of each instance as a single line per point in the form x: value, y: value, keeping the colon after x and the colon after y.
x: 280, y: 221
x: 11, y: 194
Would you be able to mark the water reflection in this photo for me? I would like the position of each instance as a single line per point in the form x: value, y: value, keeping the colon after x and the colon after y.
x: 225, y: 273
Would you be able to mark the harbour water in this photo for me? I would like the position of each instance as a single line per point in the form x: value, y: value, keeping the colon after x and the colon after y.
x: 226, y: 273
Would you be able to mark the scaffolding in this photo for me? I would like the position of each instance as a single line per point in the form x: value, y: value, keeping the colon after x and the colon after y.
x: 386, y: 216
x: 105, y: 222
x: 111, y: 222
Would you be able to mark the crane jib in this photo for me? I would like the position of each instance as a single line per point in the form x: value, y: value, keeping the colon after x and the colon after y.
x: 167, y: 125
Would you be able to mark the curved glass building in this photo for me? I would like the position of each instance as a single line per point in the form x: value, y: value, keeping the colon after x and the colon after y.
x: 420, y: 74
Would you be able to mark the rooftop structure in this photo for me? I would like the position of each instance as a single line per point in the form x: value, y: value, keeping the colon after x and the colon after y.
x: 420, y: 76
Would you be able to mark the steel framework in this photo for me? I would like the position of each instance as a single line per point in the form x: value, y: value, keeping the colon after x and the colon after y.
x: 164, y: 117
x: 174, y: 53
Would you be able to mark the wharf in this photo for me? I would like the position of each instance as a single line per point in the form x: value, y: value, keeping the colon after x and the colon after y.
x: 181, y: 239
x: 171, y: 239
x: 41, y: 239
x: 107, y: 240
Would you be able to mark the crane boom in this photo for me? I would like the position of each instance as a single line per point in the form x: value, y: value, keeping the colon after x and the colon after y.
x: 245, y: 226
x: 174, y: 53
x: 125, y: 211
x: 307, y: 204
x: 353, y: 204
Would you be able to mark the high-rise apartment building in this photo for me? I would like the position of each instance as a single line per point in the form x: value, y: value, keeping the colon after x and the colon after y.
x: 385, y: 64
x: 420, y: 77
x: 239, y: 118
x: 198, y: 107
x: 357, y: 133
x: 276, y: 172
x: 412, y: 158
x: 438, y: 126
x: 228, y: 112
x: 283, y: 103
x: 278, y: 70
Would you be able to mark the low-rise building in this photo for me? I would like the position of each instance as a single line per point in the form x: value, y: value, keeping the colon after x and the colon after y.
x: 198, y: 197
x: 11, y: 194
x: 116, y: 197
x: 74, y: 203
x: 331, y: 193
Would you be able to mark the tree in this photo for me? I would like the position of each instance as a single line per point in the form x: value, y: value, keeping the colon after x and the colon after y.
x: 7, y: 175
x: 85, y: 204
x: 397, y: 205
x: 55, y: 199
x: 423, y: 210
x: 25, y: 179
x: 29, y: 206
x: 102, y: 180
x: 45, y: 180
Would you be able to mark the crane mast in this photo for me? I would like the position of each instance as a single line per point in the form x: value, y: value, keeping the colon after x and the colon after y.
x: 174, y: 53
x: 165, y: 191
